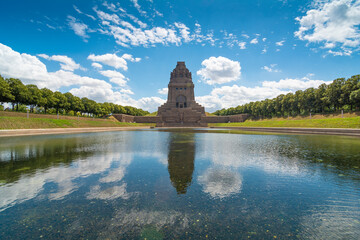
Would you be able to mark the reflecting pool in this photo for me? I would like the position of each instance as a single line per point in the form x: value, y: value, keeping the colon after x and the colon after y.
x: 180, y: 184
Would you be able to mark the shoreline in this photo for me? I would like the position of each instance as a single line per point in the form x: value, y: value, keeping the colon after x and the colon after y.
x: 322, y: 131
x: 48, y: 131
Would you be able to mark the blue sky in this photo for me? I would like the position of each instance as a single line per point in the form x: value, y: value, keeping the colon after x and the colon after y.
x: 123, y: 51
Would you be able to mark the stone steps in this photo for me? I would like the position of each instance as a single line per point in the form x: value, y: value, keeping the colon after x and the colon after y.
x: 168, y: 124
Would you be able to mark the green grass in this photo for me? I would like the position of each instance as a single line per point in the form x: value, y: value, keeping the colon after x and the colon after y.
x: 32, y: 123
x: 351, y: 122
x: 152, y: 114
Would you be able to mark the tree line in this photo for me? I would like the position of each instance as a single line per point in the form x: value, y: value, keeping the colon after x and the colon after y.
x: 341, y: 94
x: 13, y: 91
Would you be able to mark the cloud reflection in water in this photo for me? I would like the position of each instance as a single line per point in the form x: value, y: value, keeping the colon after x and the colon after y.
x: 220, y: 182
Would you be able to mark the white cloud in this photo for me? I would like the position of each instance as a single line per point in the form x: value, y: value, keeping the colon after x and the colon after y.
x: 138, y: 7
x: 271, y: 68
x: 294, y: 84
x: 232, y: 96
x: 115, y: 77
x: 51, y: 27
x: 280, y: 43
x: 334, y: 21
x: 184, y: 30
x: 163, y: 91
x: 150, y: 103
x: 254, y: 41
x: 30, y: 69
x: 127, y: 91
x: 329, y: 45
x: 242, y: 45
x: 107, y: 17
x: 264, y: 51
x: 112, y: 7
x: 342, y: 52
x: 127, y: 34
x: 264, y: 39
x: 158, y: 13
x: 97, y: 65
x: 219, y: 70
x: 110, y: 59
x: 137, y: 21
x: 130, y: 58
x: 245, y: 36
x: 80, y: 12
x: 121, y: 97
x: 136, y: 36
x: 78, y: 27
x: 66, y: 62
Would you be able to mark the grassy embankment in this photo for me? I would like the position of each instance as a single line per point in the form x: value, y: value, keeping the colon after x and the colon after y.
x: 349, y: 120
x: 13, y: 120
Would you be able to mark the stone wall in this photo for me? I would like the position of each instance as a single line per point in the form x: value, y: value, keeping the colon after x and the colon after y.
x: 238, y: 117
x: 225, y: 119
x: 215, y: 119
x: 124, y: 117
x: 146, y: 119
x: 204, y: 119
x: 137, y: 119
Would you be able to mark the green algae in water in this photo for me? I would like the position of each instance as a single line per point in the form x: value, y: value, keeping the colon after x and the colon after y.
x: 22, y: 169
x: 151, y: 233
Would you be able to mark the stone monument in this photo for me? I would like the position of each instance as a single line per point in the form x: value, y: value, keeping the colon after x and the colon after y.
x: 181, y: 109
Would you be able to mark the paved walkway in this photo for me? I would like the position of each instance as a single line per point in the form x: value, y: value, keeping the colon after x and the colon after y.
x: 328, y: 131
x: 28, y: 132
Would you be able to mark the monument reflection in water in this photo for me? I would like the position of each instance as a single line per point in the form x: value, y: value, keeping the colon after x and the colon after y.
x: 181, y: 160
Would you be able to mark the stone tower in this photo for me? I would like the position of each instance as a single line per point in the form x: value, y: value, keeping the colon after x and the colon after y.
x: 181, y: 109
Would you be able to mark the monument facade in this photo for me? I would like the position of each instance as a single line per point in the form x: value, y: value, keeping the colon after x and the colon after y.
x: 181, y: 109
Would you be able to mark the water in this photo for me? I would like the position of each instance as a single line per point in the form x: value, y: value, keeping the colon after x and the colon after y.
x: 180, y: 184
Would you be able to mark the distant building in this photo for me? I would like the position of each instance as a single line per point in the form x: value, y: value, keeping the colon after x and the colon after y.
x: 181, y: 109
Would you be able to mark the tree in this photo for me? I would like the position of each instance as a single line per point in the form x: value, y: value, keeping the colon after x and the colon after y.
x: 69, y: 100
x: 77, y: 105
x: 19, y: 91
x: 333, y: 93
x: 74, y: 103
x: 355, y: 97
x: 119, y: 109
x: 89, y: 105
x: 47, y: 99
x: 309, y: 99
x: 278, y: 104
x: 287, y: 103
x: 60, y: 101
x: 34, y: 96
x: 5, y: 91
x: 320, y: 98
x: 350, y: 85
